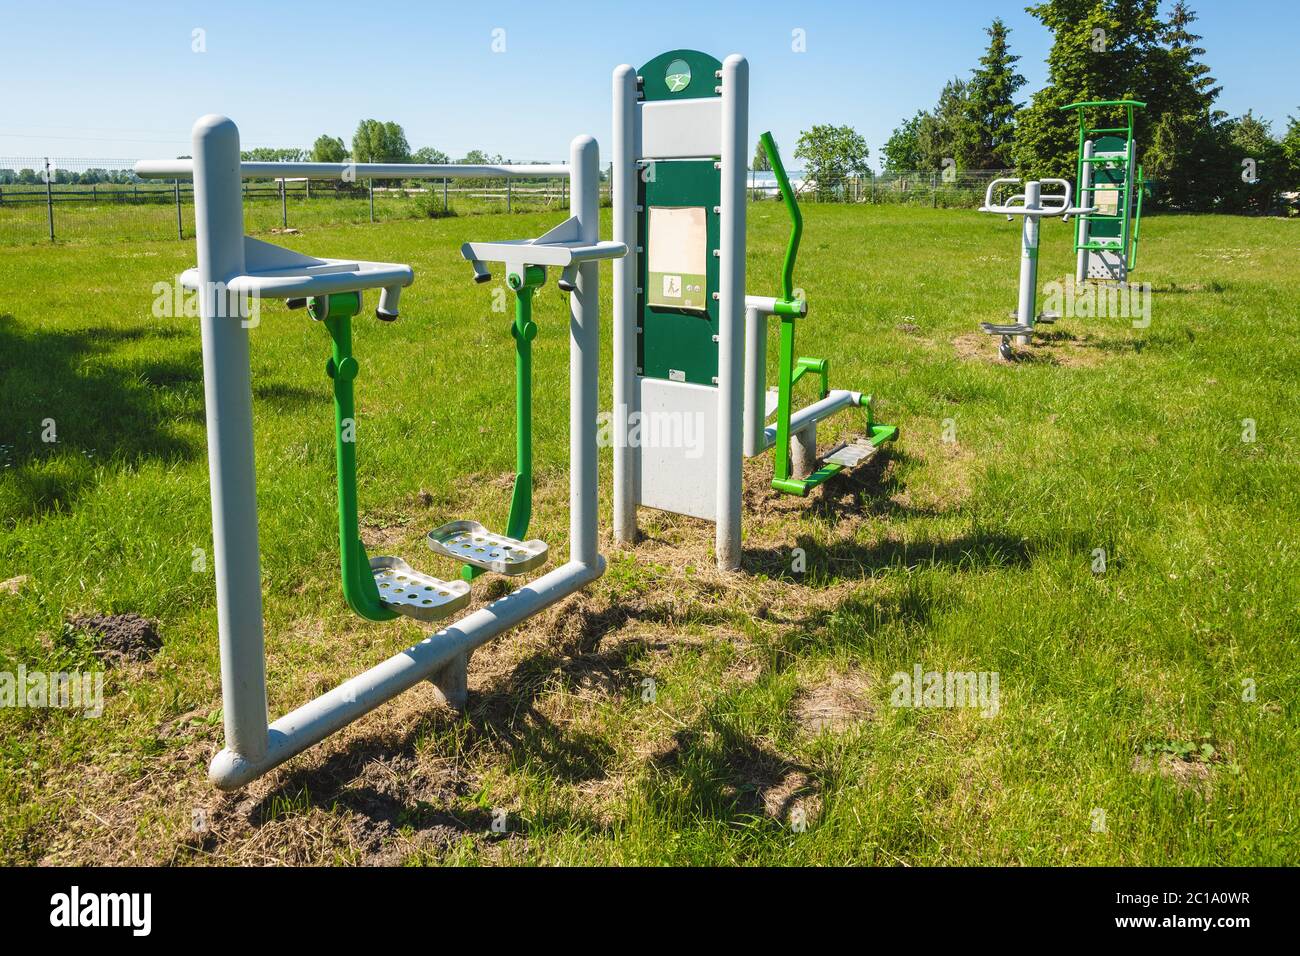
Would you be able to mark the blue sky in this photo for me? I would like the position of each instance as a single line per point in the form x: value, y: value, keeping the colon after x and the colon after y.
x: 122, y: 80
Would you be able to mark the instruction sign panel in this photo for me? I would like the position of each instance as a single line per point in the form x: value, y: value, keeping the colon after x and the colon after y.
x: 677, y: 266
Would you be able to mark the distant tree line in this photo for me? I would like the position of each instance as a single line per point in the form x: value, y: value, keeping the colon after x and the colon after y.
x: 1197, y: 157
x: 58, y: 177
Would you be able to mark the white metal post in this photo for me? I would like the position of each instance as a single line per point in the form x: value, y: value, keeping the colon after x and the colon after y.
x: 731, y: 305
x: 623, y: 187
x: 803, y: 451
x: 584, y: 356
x: 228, y: 395
x: 1086, y: 193
x: 1029, y: 261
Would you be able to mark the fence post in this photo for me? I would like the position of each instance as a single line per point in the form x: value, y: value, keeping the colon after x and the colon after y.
x: 284, y: 207
x: 307, y: 182
x: 934, y: 191
x: 180, y: 224
x: 372, y: 199
x: 49, y: 197
x: 507, y: 195
x: 444, y: 194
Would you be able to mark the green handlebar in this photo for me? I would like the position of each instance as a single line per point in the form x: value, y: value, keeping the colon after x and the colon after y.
x: 792, y: 207
x: 1089, y: 103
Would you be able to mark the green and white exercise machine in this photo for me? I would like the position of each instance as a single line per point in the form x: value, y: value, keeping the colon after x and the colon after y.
x: 690, y: 395
x: 233, y: 268
x: 1032, y: 206
x: 1111, y: 183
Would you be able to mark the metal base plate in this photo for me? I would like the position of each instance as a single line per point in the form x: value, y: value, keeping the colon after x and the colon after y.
x: 474, y: 544
x: 412, y: 594
x: 851, y: 454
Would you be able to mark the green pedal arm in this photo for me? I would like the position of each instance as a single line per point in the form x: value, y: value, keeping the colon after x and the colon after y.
x: 359, y: 588
x: 523, y: 330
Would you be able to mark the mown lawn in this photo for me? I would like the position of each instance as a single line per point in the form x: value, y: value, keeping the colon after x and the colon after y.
x: 672, y: 714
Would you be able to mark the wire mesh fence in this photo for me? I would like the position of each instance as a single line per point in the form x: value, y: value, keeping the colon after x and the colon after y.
x: 947, y: 189
x: 44, y: 199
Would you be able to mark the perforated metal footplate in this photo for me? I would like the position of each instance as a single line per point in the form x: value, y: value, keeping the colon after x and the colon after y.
x: 991, y: 328
x: 412, y: 594
x: 474, y: 544
x: 851, y: 454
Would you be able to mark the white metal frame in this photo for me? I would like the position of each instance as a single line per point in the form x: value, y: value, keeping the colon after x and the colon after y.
x: 733, y: 114
x: 252, y: 747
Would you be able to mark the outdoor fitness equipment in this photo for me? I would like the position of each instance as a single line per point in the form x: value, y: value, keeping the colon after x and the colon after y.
x: 681, y: 368
x: 1111, y: 182
x: 1029, y: 205
x: 232, y: 267
x: 795, y: 465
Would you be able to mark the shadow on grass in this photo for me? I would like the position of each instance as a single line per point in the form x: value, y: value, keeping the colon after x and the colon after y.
x: 726, y: 776
x: 98, y: 409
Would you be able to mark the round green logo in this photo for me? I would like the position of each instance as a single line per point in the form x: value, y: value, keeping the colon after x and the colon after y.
x: 677, y: 76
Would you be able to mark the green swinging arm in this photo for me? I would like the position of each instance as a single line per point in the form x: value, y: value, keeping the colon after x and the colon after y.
x: 790, y: 370
x: 359, y: 589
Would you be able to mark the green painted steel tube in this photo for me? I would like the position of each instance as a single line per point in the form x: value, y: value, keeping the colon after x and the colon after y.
x: 523, y: 330
x: 1137, y: 221
x: 796, y: 220
x: 359, y: 587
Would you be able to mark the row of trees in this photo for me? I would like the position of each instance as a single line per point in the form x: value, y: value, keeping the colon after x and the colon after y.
x: 384, y: 142
x: 60, y: 177
x: 1197, y: 157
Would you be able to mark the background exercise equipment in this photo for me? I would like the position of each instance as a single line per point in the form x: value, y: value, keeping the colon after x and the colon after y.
x: 1111, y: 184
x: 1028, y: 205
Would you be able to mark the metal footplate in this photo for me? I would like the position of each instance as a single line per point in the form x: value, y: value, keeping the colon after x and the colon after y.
x: 851, y: 454
x: 992, y: 328
x: 1047, y: 317
x: 412, y: 594
x: 474, y: 544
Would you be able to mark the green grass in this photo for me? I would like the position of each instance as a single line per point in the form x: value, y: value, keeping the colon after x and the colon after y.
x: 973, y: 554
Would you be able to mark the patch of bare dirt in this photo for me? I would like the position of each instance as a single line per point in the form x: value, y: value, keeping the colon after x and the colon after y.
x: 836, y: 703
x: 119, y: 638
x: 1185, y: 774
x: 1051, y: 347
x: 14, y: 585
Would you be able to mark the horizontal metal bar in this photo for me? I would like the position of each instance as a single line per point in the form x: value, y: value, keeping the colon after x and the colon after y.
x: 314, y: 721
x: 174, y: 168
x: 811, y: 414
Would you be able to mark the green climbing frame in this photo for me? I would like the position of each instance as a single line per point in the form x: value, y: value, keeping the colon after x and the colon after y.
x: 1112, y: 168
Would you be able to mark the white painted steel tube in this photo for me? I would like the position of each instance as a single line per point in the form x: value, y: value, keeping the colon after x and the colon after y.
x: 731, y: 304
x: 228, y: 398
x: 755, y: 376
x: 182, y: 168
x: 584, y: 357
x: 313, y: 722
x: 1029, y: 261
x: 624, y: 192
x: 811, y: 414
x: 758, y: 308
x: 1086, y: 198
